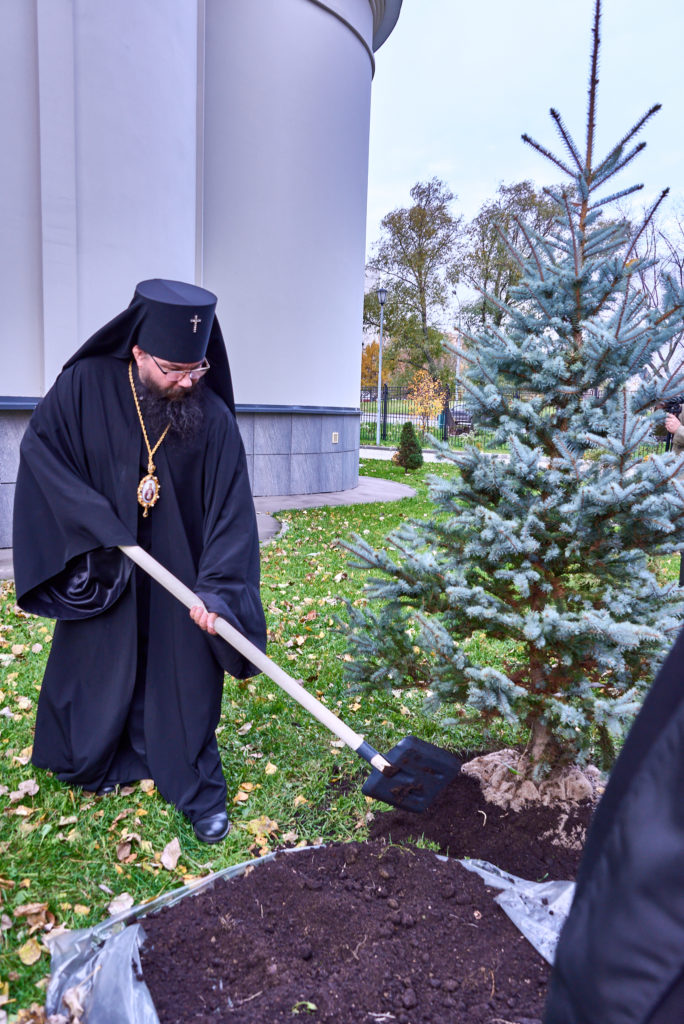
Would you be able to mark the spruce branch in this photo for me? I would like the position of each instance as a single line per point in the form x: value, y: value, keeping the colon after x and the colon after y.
x: 621, y: 315
x: 567, y: 138
x: 634, y: 130
x: 615, y: 196
x: 618, y: 166
x: 548, y: 154
x: 523, y: 229
x: 646, y: 221
x: 509, y: 245
x: 505, y: 308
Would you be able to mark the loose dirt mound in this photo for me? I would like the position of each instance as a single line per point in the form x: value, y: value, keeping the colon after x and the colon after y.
x: 537, y: 842
x: 370, y: 933
x: 351, y: 934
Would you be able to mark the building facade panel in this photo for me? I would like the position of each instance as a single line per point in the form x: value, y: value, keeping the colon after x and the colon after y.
x: 215, y: 142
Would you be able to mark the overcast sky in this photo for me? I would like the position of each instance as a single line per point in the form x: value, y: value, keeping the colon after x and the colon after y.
x: 456, y: 84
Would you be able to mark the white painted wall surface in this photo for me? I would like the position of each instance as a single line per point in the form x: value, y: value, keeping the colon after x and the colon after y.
x: 21, y: 328
x: 136, y: 148
x: 109, y: 174
x: 287, y: 102
x: 99, y: 190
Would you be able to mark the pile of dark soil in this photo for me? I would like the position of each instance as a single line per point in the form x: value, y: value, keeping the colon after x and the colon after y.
x: 351, y: 933
x: 537, y: 842
x: 368, y: 933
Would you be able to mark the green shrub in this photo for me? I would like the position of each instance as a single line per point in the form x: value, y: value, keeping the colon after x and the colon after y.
x: 409, y: 454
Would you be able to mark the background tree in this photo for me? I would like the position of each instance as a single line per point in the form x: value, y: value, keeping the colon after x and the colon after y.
x: 487, y: 263
x: 416, y: 259
x: 547, y: 553
x: 369, y: 366
x: 660, y: 250
x: 427, y: 397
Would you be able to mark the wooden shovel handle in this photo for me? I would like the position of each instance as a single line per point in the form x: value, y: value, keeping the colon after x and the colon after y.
x: 231, y: 635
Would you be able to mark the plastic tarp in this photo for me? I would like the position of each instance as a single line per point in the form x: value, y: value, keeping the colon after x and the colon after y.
x: 98, y: 969
x: 99, y: 982
x: 537, y: 909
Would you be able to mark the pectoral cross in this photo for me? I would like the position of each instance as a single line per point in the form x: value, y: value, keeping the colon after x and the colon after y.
x: 195, y: 320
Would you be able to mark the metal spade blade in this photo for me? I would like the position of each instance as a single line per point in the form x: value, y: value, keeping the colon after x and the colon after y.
x: 420, y: 773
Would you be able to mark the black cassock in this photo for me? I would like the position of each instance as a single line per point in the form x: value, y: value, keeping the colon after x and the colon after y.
x: 132, y: 687
x: 620, y: 958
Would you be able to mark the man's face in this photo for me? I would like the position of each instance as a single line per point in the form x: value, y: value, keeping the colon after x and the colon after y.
x: 151, y: 372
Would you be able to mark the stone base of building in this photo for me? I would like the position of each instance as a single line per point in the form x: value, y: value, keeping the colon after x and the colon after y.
x: 294, y: 450
x: 13, y: 423
x: 290, y: 450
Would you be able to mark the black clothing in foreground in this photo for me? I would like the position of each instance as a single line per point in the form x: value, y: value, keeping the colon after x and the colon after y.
x: 132, y: 687
x: 620, y: 958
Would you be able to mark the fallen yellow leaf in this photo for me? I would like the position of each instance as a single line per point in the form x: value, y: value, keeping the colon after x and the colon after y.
x: 270, y: 768
x: 262, y: 825
x: 30, y: 952
x: 147, y: 785
x: 81, y: 910
x: 299, y: 800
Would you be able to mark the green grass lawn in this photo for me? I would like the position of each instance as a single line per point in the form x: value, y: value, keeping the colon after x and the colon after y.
x: 66, y: 854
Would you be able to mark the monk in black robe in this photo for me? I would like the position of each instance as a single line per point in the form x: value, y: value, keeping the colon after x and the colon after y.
x: 620, y: 958
x: 137, y: 443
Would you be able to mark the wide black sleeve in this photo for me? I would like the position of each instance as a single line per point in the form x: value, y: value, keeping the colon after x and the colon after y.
x: 228, y: 572
x: 65, y: 531
x: 622, y: 947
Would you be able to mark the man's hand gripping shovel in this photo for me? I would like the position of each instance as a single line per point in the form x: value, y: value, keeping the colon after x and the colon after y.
x: 412, y: 774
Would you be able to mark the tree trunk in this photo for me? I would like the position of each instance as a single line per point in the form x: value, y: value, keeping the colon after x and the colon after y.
x: 540, y: 746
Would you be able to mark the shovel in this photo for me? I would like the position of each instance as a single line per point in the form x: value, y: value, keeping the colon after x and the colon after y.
x: 411, y: 776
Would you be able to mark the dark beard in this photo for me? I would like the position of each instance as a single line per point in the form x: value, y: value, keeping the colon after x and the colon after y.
x: 185, y: 414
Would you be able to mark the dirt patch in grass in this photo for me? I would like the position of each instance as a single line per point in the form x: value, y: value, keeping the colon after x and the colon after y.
x: 536, y: 842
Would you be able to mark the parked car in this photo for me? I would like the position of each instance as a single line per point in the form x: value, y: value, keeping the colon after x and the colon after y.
x: 461, y: 421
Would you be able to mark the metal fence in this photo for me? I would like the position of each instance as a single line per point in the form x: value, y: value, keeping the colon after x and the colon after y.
x: 453, y: 423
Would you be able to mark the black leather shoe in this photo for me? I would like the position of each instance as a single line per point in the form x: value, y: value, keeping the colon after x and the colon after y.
x: 111, y: 787
x: 213, y: 828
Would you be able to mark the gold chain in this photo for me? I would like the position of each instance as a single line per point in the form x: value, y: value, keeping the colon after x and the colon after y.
x: 150, y: 451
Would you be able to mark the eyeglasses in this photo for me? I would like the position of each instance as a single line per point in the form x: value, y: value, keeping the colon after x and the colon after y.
x: 176, y: 375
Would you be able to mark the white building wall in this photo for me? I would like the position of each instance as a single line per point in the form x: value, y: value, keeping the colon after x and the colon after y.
x: 218, y: 141
x: 136, y: 149
x: 287, y: 107
x: 21, y: 326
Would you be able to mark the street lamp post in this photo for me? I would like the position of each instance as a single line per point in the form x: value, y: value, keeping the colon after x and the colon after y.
x: 382, y: 297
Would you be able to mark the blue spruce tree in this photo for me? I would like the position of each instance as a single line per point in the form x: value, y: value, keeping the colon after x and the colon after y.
x: 549, y: 547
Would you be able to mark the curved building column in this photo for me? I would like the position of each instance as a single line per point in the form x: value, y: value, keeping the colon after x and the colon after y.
x: 287, y: 90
